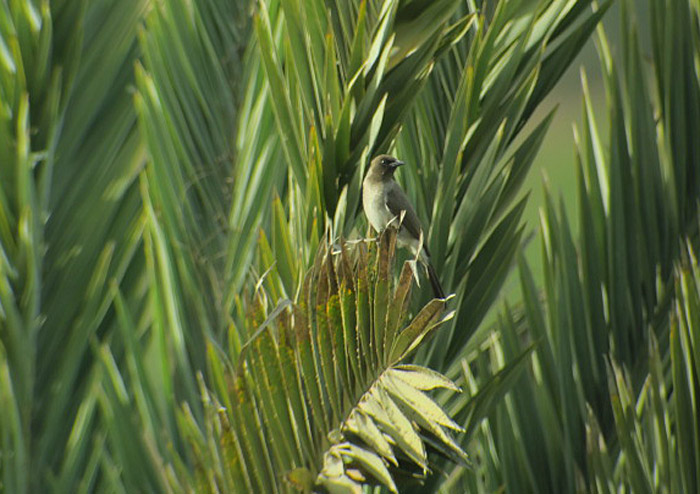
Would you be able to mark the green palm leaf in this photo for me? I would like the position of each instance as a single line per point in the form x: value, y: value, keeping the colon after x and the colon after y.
x: 657, y: 430
x: 607, y: 293
x: 319, y: 396
x: 69, y: 148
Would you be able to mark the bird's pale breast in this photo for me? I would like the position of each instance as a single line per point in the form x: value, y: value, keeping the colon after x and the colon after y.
x: 379, y: 217
x: 375, y: 208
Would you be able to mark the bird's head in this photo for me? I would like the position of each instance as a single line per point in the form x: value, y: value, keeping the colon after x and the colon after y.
x: 384, y: 166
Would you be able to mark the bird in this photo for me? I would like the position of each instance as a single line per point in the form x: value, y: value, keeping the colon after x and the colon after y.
x: 384, y: 201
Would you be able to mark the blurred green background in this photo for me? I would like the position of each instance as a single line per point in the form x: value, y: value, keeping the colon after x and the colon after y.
x: 554, y: 167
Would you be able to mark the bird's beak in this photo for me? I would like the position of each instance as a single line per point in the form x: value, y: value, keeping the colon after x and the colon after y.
x: 398, y: 163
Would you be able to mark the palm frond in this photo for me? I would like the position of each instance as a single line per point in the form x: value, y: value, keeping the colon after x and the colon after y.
x: 608, y: 292
x: 472, y: 154
x: 319, y: 396
x: 658, y: 435
x: 340, y: 83
x: 69, y: 148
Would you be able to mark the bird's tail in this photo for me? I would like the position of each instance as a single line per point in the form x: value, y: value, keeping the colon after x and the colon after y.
x: 434, y: 281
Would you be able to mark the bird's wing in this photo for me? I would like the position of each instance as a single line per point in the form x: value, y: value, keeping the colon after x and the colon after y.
x: 396, y: 202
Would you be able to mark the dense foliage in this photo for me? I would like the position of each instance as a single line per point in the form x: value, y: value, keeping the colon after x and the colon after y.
x: 191, y: 300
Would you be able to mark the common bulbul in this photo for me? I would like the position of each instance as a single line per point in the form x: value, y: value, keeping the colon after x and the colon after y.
x: 384, y: 202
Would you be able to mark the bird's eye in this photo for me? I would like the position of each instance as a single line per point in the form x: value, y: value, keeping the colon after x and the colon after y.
x: 384, y: 161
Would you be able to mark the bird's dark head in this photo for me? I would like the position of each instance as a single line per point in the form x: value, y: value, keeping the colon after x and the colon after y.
x: 384, y: 166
